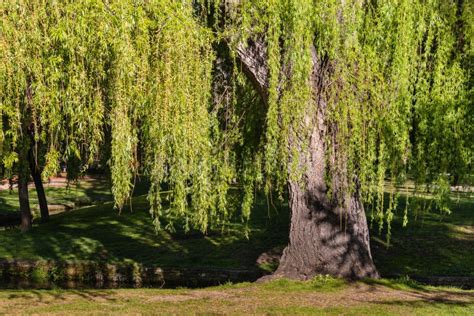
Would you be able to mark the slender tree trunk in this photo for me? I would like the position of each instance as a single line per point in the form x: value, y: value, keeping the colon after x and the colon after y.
x: 24, y: 160
x: 325, y: 237
x: 36, y: 174
x: 23, y: 197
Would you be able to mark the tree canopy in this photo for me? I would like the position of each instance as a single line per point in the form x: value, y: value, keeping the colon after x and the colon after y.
x: 156, y: 87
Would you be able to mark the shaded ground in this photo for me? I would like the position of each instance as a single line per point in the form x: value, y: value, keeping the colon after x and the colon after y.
x: 100, y: 233
x: 431, y: 244
x: 319, y: 296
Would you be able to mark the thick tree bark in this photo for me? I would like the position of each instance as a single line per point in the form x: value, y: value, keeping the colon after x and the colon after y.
x: 36, y: 174
x: 325, y: 238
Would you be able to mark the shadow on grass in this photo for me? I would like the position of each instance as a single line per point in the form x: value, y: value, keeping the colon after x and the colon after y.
x: 421, y: 294
x: 404, y: 284
x: 88, y: 191
x: 99, y: 233
x: 431, y: 243
x: 427, y: 303
x: 8, y: 201
x: 38, y: 296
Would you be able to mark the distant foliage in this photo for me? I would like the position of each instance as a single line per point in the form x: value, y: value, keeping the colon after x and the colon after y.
x: 137, y: 80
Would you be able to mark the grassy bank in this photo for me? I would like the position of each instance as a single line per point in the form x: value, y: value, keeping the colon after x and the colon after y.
x: 99, y: 233
x: 86, y: 191
x: 431, y: 244
x: 320, y: 296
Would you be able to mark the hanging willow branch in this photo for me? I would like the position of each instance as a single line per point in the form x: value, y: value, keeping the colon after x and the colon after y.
x: 400, y: 95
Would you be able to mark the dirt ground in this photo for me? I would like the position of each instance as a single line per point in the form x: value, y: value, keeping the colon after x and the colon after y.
x: 357, y: 298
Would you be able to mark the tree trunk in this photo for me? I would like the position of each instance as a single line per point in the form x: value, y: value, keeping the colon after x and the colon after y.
x: 325, y: 237
x: 25, y: 210
x: 24, y: 159
x: 36, y: 174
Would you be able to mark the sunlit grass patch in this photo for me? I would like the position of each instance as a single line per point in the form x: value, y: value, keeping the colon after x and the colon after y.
x: 322, y: 283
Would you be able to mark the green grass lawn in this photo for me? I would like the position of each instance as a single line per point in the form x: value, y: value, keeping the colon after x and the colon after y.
x: 80, y: 192
x: 429, y: 245
x: 321, y: 296
x: 99, y: 233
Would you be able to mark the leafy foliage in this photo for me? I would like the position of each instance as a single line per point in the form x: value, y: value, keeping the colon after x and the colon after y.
x: 140, y: 77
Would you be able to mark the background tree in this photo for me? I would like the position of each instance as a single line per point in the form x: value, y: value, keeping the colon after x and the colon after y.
x: 324, y: 100
x: 51, y: 84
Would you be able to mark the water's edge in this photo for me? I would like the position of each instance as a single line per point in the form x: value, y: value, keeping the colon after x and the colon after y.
x: 26, y: 274
x: 84, y: 274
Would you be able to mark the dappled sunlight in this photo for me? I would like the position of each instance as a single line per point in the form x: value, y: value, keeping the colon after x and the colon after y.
x: 432, y: 243
x: 462, y: 232
x: 98, y: 232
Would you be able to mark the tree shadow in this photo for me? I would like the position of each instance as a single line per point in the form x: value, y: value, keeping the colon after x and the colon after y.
x: 412, y: 294
x: 425, y: 302
x: 431, y: 244
x: 39, y: 296
x: 100, y: 234
x: 7, y: 204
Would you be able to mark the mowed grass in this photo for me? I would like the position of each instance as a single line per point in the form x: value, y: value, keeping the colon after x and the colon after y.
x: 321, y: 296
x: 100, y: 233
x: 431, y: 244
x: 86, y: 191
x: 80, y: 192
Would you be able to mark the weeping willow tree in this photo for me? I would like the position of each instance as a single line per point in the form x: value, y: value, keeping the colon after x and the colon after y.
x: 323, y: 100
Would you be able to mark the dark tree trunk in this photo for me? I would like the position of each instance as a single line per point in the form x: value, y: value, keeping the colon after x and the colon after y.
x: 36, y: 174
x: 24, y: 160
x: 325, y: 237
x: 25, y: 210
